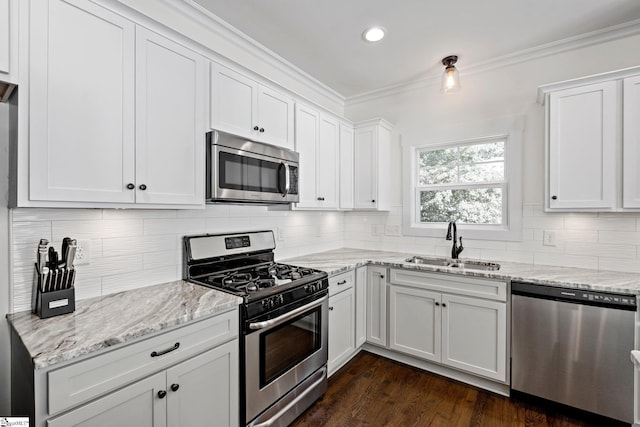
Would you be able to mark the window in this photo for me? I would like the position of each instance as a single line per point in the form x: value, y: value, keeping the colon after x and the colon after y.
x: 474, y: 179
x: 464, y: 183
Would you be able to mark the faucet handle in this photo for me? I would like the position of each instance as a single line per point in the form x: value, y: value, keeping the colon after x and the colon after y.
x: 460, y: 248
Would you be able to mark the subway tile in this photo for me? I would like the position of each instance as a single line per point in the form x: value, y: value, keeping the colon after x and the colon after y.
x: 141, y: 244
x: 619, y: 237
x: 507, y: 255
x: 41, y: 214
x: 128, y: 214
x: 139, y: 279
x: 565, y: 260
x: 619, y: 264
x: 575, y: 222
x: 96, y: 229
x: 601, y: 249
x: 179, y: 226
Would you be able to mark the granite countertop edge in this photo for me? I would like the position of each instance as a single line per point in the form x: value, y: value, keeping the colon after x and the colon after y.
x: 338, y: 261
x: 104, y: 322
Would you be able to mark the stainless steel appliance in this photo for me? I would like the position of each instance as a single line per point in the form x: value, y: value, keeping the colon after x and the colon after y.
x: 244, y: 171
x: 572, y: 346
x: 284, y: 322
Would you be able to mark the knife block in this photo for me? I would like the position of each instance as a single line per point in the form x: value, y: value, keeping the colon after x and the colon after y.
x: 52, y: 303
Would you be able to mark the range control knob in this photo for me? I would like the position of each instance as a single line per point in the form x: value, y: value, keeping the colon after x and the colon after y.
x: 280, y: 299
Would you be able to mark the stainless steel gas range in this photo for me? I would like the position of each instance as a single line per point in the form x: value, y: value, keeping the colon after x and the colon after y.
x: 284, y: 322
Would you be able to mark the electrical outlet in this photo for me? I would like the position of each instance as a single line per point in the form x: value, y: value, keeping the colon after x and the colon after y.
x: 549, y: 238
x: 83, y: 253
x: 392, y: 230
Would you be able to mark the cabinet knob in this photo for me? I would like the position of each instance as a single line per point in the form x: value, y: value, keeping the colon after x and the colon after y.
x: 142, y: 187
x: 261, y: 129
x: 554, y: 197
x: 437, y: 304
x: 175, y: 387
x: 330, y: 308
x: 162, y: 394
x: 130, y: 186
x: 256, y: 128
x: 373, y: 201
x: 382, y: 276
x: 444, y: 305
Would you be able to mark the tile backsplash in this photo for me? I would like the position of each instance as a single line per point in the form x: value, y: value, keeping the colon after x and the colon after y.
x: 603, y: 241
x: 135, y: 248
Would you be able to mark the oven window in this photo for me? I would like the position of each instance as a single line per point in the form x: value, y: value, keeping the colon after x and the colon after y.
x: 282, y: 348
x: 248, y: 174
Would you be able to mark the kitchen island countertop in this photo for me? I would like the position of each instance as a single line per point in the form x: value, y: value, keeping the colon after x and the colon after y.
x: 340, y: 260
x: 118, y: 318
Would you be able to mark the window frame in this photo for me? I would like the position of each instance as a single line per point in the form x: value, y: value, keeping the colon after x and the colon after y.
x: 508, y: 130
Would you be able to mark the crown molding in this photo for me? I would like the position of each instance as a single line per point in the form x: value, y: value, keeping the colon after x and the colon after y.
x: 616, y: 32
x: 223, y: 29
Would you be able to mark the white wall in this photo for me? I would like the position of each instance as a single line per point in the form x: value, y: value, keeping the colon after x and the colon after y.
x: 5, y: 348
x: 604, y: 241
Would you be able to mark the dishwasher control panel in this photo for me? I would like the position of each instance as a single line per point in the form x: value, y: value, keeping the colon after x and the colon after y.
x: 579, y: 296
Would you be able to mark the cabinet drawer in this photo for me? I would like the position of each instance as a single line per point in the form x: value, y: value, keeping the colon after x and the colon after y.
x: 465, y: 285
x: 93, y: 377
x: 341, y: 282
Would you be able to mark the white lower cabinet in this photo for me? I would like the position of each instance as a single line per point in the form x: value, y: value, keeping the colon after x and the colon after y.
x: 361, y: 306
x: 342, y: 320
x: 185, y: 377
x: 376, y: 307
x: 462, y: 332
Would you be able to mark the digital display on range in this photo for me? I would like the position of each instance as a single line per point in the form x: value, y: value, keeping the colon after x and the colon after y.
x: 236, y: 242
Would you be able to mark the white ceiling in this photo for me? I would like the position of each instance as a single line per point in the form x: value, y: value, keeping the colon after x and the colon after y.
x: 323, y: 37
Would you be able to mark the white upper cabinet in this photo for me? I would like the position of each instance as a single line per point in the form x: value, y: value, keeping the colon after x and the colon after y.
x: 116, y: 112
x: 81, y: 116
x: 593, y: 142
x: 317, y: 139
x: 170, y: 124
x: 8, y: 47
x: 631, y: 143
x: 5, y: 36
x: 371, y: 167
x: 244, y: 107
x: 582, y: 147
x: 346, y: 166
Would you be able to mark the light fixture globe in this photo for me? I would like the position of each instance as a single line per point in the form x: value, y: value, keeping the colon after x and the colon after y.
x: 450, y: 77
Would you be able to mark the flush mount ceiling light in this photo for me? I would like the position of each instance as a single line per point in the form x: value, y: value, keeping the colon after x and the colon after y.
x: 373, y: 34
x: 450, y: 77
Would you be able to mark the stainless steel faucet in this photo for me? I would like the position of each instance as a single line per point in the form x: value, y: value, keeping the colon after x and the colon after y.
x: 452, y: 234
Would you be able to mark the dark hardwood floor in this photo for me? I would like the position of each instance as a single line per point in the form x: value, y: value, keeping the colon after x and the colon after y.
x: 374, y: 391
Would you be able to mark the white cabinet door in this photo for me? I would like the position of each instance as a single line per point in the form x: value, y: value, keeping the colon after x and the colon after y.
x: 415, y: 322
x: 341, y: 329
x: 346, y: 166
x: 5, y: 37
x: 631, y: 143
x: 474, y: 335
x: 582, y: 144
x: 170, y: 121
x: 371, y: 165
x: 327, y: 163
x: 307, y: 124
x: 81, y: 118
x: 377, y: 305
x: 136, y: 405
x: 275, y: 118
x: 233, y: 102
x: 361, y: 306
x: 204, y: 389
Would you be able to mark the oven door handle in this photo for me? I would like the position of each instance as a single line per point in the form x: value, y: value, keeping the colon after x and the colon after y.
x: 286, y: 316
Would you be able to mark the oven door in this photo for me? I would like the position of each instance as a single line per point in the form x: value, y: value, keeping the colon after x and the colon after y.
x: 250, y: 177
x: 282, y: 352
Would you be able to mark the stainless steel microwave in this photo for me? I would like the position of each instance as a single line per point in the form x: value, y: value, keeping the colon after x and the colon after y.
x: 244, y: 171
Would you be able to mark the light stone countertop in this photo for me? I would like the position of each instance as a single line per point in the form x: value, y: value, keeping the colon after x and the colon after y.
x: 106, y: 321
x: 340, y: 260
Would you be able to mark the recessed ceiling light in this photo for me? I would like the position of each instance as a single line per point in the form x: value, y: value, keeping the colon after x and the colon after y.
x: 373, y: 34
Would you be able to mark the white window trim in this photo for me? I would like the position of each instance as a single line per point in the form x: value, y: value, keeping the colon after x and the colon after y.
x: 512, y: 130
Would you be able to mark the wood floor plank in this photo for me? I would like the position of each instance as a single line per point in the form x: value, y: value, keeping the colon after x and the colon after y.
x: 374, y: 391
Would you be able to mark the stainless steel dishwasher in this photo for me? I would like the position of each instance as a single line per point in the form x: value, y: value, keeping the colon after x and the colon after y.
x: 572, y: 346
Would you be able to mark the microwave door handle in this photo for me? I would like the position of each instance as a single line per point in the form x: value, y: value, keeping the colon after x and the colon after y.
x: 287, y: 175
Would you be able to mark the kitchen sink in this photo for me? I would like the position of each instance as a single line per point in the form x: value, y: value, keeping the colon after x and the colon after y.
x: 454, y: 263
